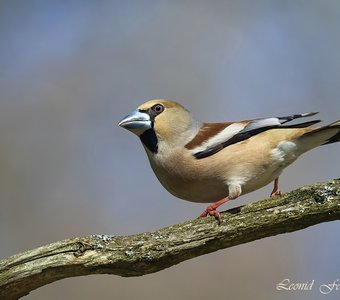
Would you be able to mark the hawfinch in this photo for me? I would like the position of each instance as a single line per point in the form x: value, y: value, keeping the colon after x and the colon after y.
x: 217, y: 162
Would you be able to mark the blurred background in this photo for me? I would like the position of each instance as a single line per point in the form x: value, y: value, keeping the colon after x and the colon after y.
x: 70, y: 70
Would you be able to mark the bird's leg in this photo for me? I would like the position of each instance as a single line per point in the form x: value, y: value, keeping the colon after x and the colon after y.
x: 211, y: 210
x: 276, y: 191
x: 234, y: 192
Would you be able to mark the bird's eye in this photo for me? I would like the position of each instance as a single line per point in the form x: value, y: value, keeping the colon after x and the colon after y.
x: 158, y: 108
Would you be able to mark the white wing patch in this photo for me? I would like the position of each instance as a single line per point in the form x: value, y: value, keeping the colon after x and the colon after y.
x: 254, y: 124
x: 219, y: 138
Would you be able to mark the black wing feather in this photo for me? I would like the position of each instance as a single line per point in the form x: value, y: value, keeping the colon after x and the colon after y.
x: 251, y: 129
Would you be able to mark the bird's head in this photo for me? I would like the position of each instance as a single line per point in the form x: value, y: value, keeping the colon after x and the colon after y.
x: 158, y: 121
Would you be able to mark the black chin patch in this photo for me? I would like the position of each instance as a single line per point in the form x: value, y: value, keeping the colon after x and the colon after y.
x: 149, y: 139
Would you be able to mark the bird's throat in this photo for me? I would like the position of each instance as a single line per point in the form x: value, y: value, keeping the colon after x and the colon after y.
x: 149, y: 139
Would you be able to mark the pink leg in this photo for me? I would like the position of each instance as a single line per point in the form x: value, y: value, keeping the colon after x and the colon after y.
x: 276, y: 191
x: 211, y: 210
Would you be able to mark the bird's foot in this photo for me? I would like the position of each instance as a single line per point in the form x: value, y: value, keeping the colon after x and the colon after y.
x: 211, y: 210
x: 275, y: 193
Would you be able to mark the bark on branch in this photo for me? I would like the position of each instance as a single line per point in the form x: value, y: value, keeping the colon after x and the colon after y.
x: 150, y: 252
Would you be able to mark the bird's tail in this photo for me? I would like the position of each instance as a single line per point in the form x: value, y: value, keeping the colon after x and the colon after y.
x: 335, y: 138
x: 321, y: 136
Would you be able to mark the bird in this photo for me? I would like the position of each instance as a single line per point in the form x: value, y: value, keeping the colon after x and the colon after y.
x: 217, y: 162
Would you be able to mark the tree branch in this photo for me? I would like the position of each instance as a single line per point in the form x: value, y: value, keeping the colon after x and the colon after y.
x: 150, y: 252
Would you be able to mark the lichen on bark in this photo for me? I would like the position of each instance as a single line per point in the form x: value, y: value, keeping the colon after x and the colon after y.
x: 150, y: 252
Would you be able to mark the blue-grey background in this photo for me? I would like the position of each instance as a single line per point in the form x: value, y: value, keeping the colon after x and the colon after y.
x: 70, y: 70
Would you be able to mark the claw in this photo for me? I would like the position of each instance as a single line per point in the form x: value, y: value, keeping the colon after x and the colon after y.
x: 211, y: 210
x: 276, y: 191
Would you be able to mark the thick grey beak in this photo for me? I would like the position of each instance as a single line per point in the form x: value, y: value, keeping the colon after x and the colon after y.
x: 137, y: 122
